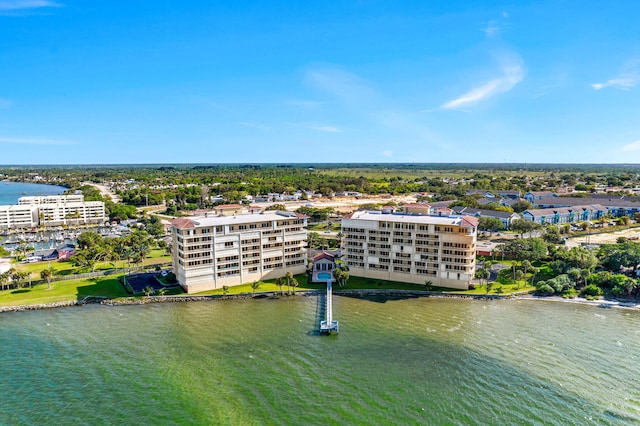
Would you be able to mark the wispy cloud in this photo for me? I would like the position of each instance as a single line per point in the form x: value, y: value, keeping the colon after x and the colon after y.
x: 492, y: 30
x: 328, y: 129
x: 340, y: 83
x: 255, y: 126
x: 5, y: 103
x: 387, y: 153
x: 17, y: 5
x: 318, y: 127
x: 304, y: 103
x: 35, y: 141
x: 621, y: 82
x: 633, y: 146
x: 627, y: 79
x: 512, y: 70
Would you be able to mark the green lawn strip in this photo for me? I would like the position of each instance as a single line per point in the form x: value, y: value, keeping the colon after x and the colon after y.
x: 65, y: 268
x: 157, y: 253
x: 359, y: 283
x: 63, y: 291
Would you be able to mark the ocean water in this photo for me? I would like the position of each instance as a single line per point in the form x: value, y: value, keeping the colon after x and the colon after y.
x: 261, y: 361
x: 11, y: 191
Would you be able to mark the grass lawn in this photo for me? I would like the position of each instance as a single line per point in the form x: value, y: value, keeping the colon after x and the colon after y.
x: 156, y: 257
x: 63, y: 291
x: 354, y: 283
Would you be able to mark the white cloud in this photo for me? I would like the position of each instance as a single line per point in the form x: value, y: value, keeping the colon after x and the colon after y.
x: 622, y: 82
x: 328, y: 129
x: 492, y: 30
x: 34, y: 141
x: 512, y: 73
x: 633, y: 146
x: 387, y: 153
x: 9, y: 5
x: 627, y: 79
x: 318, y: 127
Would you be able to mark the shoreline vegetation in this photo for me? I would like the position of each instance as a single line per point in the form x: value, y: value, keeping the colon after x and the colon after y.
x: 145, y: 194
x: 359, y: 293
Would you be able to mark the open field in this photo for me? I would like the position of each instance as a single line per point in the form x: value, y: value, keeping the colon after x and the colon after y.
x: 63, y: 291
x: 604, y: 237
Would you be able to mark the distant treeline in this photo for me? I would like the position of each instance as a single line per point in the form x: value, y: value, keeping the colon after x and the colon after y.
x: 195, y: 184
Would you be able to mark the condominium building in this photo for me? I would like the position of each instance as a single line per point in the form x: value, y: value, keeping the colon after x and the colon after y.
x: 54, y: 210
x: 18, y: 217
x: 411, y: 248
x: 211, y: 252
x: 51, y: 199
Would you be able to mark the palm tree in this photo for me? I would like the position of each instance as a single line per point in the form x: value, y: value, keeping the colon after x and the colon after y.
x: 4, y: 280
x: 17, y: 277
x: 48, y: 273
x: 255, y: 285
x: 288, y: 277
x: 280, y: 283
x: 294, y: 284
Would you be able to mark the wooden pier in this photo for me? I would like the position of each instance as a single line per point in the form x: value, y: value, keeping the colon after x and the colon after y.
x: 329, y: 325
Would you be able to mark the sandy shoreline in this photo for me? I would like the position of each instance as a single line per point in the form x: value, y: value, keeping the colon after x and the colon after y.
x: 345, y: 293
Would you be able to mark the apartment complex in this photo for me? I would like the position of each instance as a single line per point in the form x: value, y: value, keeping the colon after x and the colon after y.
x: 211, y: 252
x: 52, y: 210
x: 411, y: 248
x: 18, y: 217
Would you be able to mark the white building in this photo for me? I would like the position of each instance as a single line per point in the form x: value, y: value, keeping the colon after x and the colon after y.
x: 17, y: 217
x: 53, y: 210
x: 211, y: 252
x: 411, y: 248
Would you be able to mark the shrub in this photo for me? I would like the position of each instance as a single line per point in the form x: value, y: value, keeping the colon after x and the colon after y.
x: 592, y: 290
x: 505, y: 276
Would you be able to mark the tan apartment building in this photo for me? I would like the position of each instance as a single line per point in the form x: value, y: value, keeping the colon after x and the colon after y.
x: 211, y: 252
x: 411, y: 248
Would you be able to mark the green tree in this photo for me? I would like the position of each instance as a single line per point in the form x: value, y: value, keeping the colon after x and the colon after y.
x: 490, y: 224
x: 48, y: 273
x: 4, y: 280
x: 254, y: 286
x: 225, y: 289
x: 520, y: 206
x: 482, y: 274
x: 280, y: 282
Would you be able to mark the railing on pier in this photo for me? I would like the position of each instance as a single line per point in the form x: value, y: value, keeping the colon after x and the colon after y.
x: 329, y: 325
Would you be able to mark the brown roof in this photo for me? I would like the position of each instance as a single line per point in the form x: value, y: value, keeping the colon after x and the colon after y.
x: 228, y: 206
x: 323, y: 255
x: 470, y: 221
x: 301, y: 216
x: 183, y: 223
x: 416, y: 205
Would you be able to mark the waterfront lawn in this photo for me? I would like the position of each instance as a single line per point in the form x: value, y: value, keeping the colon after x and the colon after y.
x: 156, y: 257
x: 62, y: 291
x: 354, y: 283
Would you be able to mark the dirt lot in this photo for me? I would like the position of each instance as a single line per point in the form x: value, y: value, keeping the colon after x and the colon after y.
x: 347, y: 204
x: 605, y: 238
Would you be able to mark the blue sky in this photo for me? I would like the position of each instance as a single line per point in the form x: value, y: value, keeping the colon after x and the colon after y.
x: 90, y: 82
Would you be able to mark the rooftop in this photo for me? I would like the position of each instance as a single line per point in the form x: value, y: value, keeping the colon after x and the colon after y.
x: 408, y: 218
x: 198, y: 222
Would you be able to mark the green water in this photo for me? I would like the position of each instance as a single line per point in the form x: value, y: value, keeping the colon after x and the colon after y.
x: 414, y: 361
